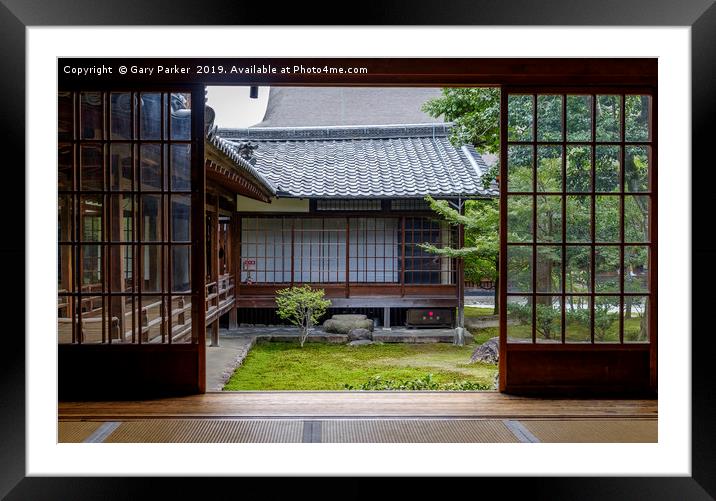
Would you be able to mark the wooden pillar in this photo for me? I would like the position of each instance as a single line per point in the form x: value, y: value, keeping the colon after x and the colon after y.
x: 460, y: 279
x: 386, y: 318
x: 233, y: 317
x: 215, y: 333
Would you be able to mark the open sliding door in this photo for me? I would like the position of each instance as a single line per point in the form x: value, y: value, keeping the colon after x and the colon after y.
x: 131, y: 304
x: 578, y: 240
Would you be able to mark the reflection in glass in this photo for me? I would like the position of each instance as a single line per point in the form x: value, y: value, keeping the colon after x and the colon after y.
x: 549, y: 118
x: 607, y: 169
x: 548, y: 326
x: 607, y: 218
x: 120, y: 167
x: 549, y: 168
x: 606, y: 319
x: 91, y: 168
x: 120, y: 106
x: 519, y: 319
x: 150, y: 115
x: 549, y: 218
x: 519, y: 218
x: 609, y: 109
x: 637, y: 118
x: 519, y: 168
x: 180, y: 167
x: 520, y: 113
x: 519, y: 268
x: 579, y: 118
x: 151, y: 173
x: 577, y: 314
x: 91, y: 115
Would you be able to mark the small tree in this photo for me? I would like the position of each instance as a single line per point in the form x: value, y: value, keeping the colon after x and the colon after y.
x: 302, y: 306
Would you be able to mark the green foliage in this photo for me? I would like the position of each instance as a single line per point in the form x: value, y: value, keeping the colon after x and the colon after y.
x: 425, y: 382
x: 475, y: 113
x: 329, y: 366
x: 302, y: 306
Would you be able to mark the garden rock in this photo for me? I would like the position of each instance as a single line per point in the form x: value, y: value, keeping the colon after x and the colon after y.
x: 358, y: 334
x: 360, y: 342
x: 343, y: 324
x: 488, y: 352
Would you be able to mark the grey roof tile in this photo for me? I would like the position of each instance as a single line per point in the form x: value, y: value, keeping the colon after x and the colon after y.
x: 411, y: 160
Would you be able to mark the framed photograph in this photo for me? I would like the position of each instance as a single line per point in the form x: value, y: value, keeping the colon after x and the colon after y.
x: 210, y: 201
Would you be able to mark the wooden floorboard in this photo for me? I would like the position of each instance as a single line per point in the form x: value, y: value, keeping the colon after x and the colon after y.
x: 358, y: 404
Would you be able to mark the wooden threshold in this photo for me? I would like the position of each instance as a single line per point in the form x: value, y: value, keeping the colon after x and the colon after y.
x: 344, y: 404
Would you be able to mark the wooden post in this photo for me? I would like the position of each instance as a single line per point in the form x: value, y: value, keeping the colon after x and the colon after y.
x: 460, y: 328
x: 386, y: 318
x: 233, y: 317
x: 215, y: 333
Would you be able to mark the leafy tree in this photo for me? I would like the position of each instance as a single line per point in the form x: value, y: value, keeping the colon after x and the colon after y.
x: 302, y: 306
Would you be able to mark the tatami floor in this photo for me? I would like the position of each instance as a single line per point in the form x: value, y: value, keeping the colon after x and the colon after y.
x: 375, y: 417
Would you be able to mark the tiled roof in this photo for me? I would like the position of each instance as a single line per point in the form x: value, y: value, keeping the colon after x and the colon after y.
x: 239, y: 163
x: 331, y: 106
x: 390, y: 161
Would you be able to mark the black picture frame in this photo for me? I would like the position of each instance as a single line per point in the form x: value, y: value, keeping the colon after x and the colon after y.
x: 700, y: 15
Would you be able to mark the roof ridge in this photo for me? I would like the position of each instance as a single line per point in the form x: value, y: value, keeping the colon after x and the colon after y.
x: 336, y: 132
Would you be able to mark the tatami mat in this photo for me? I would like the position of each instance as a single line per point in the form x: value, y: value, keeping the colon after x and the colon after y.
x: 76, y: 431
x: 360, y: 431
x: 596, y: 430
x: 415, y: 431
x: 208, y: 431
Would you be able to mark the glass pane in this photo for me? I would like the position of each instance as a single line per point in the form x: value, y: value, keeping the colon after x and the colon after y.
x: 121, y: 267
x: 91, y: 167
x: 579, y: 218
x: 519, y: 168
x: 609, y: 109
x: 549, y: 218
x: 91, y: 115
x: 181, y: 167
x: 549, y: 269
x: 607, y: 169
x: 64, y: 218
x: 549, y: 168
x: 120, y: 106
x: 91, y: 218
x: 121, y: 224
x: 151, y: 268
x: 519, y: 218
x: 520, y: 117
x: 91, y: 258
x: 636, y: 319
x: 606, y: 319
x: 120, y: 167
x: 120, y: 313
x: 549, y: 319
x: 636, y: 269
x: 607, y: 218
x: 579, y: 169
x: 64, y: 320
x: 93, y: 332
x: 549, y: 118
x: 65, y: 116
x: 181, y: 213
x: 607, y: 269
x: 636, y: 218
x: 64, y: 167
x: 578, y: 269
x: 181, y: 319
x: 151, y: 218
x: 151, y: 163
x: 181, y: 116
x: 578, y: 319
x: 150, y: 116
x: 181, y: 269
x: 151, y: 320
x: 637, y: 118
x: 65, y: 265
x: 519, y: 319
x: 579, y: 118
x: 519, y: 268
x: 636, y: 168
